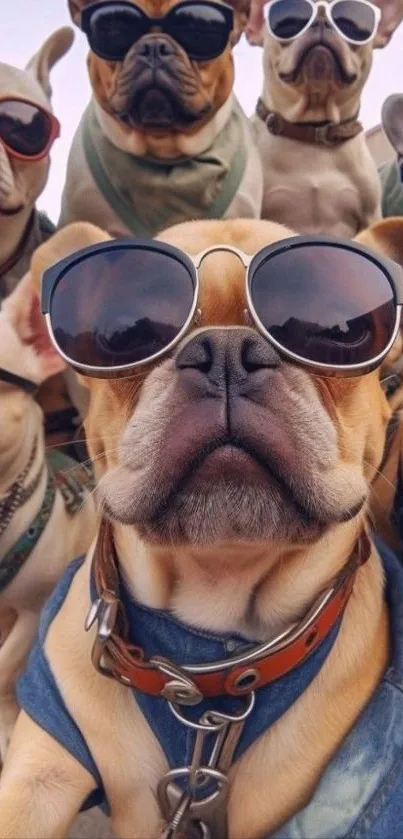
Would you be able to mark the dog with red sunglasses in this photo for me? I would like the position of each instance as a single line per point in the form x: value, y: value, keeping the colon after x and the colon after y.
x: 163, y: 139
x: 318, y: 172
x: 239, y: 670
x: 27, y: 131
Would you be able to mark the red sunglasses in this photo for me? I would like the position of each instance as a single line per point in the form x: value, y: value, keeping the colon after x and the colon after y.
x: 27, y: 130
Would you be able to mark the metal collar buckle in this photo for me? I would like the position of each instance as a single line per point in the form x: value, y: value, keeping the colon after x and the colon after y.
x: 104, y: 611
x: 322, y: 135
x: 181, y: 689
x: 274, y: 122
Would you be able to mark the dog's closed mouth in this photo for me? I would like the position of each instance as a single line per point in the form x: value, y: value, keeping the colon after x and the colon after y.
x: 231, y: 461
x: 325, y: 54
x: 154, y: 106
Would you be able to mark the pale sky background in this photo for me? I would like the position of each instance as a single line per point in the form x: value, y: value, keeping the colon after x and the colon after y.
x: 25, y: 24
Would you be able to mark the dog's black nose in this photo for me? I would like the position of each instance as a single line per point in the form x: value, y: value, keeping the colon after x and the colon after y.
x: 227, y: 356
x: 155, y: 48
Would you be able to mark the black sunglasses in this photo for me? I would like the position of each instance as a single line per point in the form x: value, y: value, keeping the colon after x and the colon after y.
x: 322, y: 302
x: 200, y: 27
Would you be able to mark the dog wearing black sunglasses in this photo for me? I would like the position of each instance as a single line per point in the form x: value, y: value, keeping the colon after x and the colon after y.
x: 23, y: 169
x: 234, y: 561
x: 163, y: 139
x: 318, y: 171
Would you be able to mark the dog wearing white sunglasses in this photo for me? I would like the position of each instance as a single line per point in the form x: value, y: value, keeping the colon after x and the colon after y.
x: 234, y: 543
x: 319, y: 175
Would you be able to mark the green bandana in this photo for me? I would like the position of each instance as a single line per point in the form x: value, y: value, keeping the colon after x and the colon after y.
x: 149, y: 194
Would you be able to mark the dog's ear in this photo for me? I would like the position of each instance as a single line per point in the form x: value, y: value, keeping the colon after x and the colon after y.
x: 38, y: 355
x: 76, y: 7
x: 392, y: 16
x: 256, y: 26
x: 54, y: 48
x: 385, y: 237
x: 241, y: 10
x: 392, y: 121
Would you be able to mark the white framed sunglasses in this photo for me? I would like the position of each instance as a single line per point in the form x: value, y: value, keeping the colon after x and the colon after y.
x: 356, y: 21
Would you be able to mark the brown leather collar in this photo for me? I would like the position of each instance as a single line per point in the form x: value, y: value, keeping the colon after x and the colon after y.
x: 321, y: 133
x: 114, y: 656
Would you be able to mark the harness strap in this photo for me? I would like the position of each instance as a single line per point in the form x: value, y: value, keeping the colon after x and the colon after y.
x: 17, y: 556
x: 73, y: 489
x: 19, y: 381
x: 320, y: 133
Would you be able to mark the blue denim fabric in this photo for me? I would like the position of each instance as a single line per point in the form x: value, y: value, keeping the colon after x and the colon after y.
x: 360, y: 795
x: 159, y: 633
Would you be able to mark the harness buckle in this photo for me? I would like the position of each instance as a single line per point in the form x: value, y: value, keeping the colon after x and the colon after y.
x: 322, y: 135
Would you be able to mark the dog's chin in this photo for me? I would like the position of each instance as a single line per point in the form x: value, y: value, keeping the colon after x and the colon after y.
x: 226, y: 495
x: 160, y: 109
x: 321, y: 64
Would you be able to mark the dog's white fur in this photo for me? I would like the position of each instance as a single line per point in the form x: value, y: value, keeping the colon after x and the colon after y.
x: 65, y: 536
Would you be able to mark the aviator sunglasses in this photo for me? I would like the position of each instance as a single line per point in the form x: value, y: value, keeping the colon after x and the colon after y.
x: 27, y: 130
x: 355, y: 20
x: 201, y: 28
x: 323, y: 303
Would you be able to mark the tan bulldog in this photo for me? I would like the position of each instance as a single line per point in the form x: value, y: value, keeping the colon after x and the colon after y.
x: 319, y: 175
x: 235, y: 485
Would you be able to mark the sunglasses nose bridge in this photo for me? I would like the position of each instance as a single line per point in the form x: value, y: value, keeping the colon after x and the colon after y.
x: 321, y: 19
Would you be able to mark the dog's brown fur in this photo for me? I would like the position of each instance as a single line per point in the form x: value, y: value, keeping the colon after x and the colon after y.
x: 338, y: 429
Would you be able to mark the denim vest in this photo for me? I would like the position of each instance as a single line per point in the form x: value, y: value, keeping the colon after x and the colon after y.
x: 360, y: 793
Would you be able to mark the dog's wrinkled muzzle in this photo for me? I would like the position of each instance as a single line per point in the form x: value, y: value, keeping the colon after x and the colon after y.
x: 157, y: 85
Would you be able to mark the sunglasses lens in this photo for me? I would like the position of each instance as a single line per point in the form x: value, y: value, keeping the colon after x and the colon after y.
x: 201, y: 29
x: 120, y: 306
x: 24, y: 128
x: 325, y: 304
x: 287, y: 18
x: 113, y: 29
x: 355, y: 20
